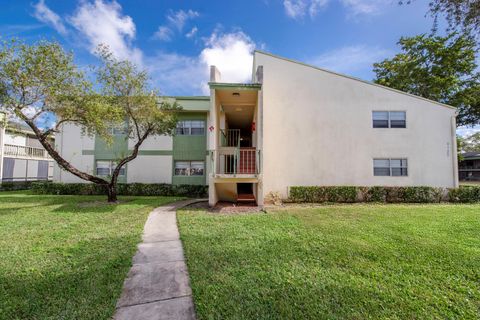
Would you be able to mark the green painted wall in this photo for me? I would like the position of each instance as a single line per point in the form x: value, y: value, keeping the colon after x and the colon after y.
x: 190, y: 148
x: 117, y: 150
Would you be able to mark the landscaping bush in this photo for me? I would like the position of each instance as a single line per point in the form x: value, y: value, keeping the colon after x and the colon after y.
x: 421, y: 194
x: 374, y: 194
x: 324, y: 194
x: 417, y: 194
x: 464, y: 194
x: 11, y: 186
x: 131, y: 189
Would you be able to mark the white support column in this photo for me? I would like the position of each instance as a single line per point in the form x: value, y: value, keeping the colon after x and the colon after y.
x: 454, y: 152
x: 3, y: 121
x: 259, y: 130
x: 213, y: 127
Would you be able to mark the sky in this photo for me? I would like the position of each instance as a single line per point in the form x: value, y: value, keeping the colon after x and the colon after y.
x: 176, y: 41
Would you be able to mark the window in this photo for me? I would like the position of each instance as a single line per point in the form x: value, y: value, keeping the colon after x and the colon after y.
x: 196, y: 168
x: 390, y: 167
x: 191, y: 128
x: 197, y: 128
x: 117, y: 129
x: 389, y: 119
x: 380, y: 119
x: 189, y: 168
x: 399, y: 167
x: 106, y: 168
x: 398, y: 119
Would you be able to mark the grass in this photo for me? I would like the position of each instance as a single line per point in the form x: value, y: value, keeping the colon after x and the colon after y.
x: 336, y: 262
x: 470, y: 183
x: 66, y: 257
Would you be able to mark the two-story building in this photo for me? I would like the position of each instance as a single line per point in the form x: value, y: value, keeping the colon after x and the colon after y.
x: 293, y: 125
x: 22, y: 157
x: 469, y: 167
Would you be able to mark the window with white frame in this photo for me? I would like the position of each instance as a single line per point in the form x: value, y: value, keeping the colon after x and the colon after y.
x: 390, y: 167
x: 189, y: 168
x: 117, y: 129
x: 106, y: 168
x: 190, y: 128
x: 389, y: 119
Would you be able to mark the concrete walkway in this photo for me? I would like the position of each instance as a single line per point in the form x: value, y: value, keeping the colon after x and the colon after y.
x: 157, y: 286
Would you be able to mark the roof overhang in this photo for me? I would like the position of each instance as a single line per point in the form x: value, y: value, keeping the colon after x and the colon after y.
x: 235, y: 86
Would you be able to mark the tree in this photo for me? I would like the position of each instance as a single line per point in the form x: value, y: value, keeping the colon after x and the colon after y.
x: 471, y: 143
x: 464, y: 14
x: 128, y: 91
x: 437, y: 68
x: 41, y: 80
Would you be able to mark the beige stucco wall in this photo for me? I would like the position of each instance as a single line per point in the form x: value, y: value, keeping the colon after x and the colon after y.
x: 150, y: 169
x: 317, y: 130
x: 70, y: 142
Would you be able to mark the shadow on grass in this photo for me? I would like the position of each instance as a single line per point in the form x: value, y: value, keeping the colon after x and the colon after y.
x: 80, y: 281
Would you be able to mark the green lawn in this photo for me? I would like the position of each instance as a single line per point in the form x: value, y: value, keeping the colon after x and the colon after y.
x: 336, y: 262
x: 65, y: 257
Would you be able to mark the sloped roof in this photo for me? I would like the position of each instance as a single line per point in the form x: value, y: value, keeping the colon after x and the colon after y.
x: 471, y: 155
x: 354, y: 78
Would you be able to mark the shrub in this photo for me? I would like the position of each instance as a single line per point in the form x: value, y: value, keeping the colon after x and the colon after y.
x: 11, y: 186
x: 465, y: 194
x: 323, y: 194
x: 417, y: 194
x: 132, y: 189
x: 422, y: 194
x: 375, y: 194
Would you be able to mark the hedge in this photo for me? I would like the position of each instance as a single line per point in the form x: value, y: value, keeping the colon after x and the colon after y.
x: 11, y: 186
x: 130, y: 189
x: 420, y: 194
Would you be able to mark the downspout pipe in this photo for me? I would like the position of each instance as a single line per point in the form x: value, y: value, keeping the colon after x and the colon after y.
x: 454, y: 150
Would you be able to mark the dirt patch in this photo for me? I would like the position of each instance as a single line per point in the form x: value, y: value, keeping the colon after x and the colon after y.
x: 225, y: 207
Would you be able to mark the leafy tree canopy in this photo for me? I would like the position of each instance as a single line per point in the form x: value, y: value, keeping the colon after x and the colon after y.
x: 471, y: 143
x: 41, y: 81
x: 460, y: 14
x: 439, y: 68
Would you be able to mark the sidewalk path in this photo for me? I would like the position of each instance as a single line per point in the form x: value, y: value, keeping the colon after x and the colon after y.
x: 157, y: 286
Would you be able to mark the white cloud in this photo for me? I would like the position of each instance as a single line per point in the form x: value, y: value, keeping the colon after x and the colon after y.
x: 465, y: 131
x: 176, y: 74
x: 364, y: 7
x: 163, y: 33
x: 176, y: 20
x: 298, y: 9
x: 179, y: 18
x: 46, y: 15
x: 231, y: 53
x: 352, y: 60
x: 103, y: 22
x: 192, y: 32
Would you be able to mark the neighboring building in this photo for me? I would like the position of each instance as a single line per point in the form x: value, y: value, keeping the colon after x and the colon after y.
x: 469, y: 167
x: 293, y: 125
x: 22, y: 157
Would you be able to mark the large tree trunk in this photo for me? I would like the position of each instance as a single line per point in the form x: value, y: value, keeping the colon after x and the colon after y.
x: 62, y: 163
x: 112, y: 186
x: 112, y: 193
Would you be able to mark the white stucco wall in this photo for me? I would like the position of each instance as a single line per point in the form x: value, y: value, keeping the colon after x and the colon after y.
x: 70, y: 142
x: 317, y: 130
x: 18, y: 139
x: 150, y: 169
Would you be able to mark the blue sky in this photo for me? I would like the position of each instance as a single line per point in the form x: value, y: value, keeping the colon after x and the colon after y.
x: 177, y: 40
